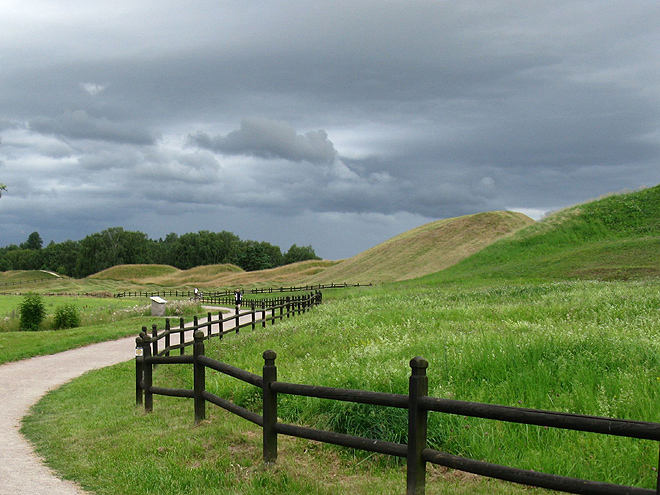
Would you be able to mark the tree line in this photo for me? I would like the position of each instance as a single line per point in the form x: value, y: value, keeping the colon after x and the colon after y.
x: 116, y: 246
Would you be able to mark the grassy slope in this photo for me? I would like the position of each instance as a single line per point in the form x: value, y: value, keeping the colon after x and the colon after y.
x: 615, y: 238
x: 426, y: 249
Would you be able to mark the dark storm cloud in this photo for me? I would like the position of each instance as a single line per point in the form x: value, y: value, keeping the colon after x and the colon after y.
x: 208, y: 115
x: 270, y: 139
x: 79, y: 125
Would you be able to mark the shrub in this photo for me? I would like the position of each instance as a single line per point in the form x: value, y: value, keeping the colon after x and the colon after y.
x: 66, y: 316
x: 33, y: 312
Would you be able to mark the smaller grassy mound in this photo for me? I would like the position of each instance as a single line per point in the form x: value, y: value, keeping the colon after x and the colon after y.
x: 135, y: 273
x: 24, y: 276
x: 614, y: 238
x: 426, y: 249
x: 205, y: 275
x: 293, y: 274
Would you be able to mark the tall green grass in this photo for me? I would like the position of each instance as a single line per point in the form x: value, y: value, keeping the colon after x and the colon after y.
x: 582, y: 347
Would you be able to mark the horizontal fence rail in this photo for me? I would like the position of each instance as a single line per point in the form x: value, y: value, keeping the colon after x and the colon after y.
x: 25, y: 282
x: 173, y: 338
x: 416, y: 402
x: 230, y: 293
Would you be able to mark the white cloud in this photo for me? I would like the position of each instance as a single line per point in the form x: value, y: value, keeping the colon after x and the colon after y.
x: 92, y: 88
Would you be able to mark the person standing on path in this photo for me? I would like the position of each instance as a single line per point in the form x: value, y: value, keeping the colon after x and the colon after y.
x: 238, y: 297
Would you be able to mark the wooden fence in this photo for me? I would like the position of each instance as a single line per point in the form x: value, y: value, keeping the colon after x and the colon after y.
x: 227, y: 293
x: 416, y: 402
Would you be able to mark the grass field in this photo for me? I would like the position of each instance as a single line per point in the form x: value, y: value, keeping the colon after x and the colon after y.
x: 563, y: 315
x: 585, y: 347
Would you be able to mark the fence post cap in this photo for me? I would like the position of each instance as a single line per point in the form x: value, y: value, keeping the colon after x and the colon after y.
x: 199, y: 335
x: 419, y: 363
x: 269, y: 355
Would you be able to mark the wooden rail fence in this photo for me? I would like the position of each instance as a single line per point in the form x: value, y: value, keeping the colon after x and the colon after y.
x: 227, y: 293
x: 416, y: 402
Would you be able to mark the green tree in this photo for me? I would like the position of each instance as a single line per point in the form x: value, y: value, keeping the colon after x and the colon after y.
x: 61, y: 257
x: 34, y: 242
x: 255, y: 256
x: 114, y: 246
x: 203, y: 248
x: 299, y: 253
x: 33, y: 312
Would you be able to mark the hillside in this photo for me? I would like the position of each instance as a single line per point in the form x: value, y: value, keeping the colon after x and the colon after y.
x: 613, y: 238
x: 212, y: 275
x: 426, y: 249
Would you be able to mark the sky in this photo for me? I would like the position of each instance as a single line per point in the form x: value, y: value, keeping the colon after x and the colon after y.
x: 337, y: 124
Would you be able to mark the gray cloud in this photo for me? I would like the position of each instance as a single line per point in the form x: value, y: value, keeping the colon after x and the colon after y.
x: 428, y: 109
x: 270, y: 139
x: 79, y: 125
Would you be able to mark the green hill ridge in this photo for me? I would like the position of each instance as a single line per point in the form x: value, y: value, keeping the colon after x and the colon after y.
x: 613, y: 238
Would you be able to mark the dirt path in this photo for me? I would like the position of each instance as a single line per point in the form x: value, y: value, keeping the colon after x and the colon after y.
x: 23, y: 383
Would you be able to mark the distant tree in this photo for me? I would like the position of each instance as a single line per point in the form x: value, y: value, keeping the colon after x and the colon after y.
x: 24, y: 259
x: 255, y: 255
x: 34, y: 242
x: 114, y: 246
x: 203, y: 248
x: 62, y: 257
x: 299, y: 253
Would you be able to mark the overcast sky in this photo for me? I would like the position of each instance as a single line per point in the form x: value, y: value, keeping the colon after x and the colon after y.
x: 332, y: 123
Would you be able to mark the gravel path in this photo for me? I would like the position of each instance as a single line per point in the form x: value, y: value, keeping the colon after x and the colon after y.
x: 23, y: 384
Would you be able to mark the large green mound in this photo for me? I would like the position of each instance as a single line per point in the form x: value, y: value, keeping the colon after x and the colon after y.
x: 614, y: 238
x: 426, y: 249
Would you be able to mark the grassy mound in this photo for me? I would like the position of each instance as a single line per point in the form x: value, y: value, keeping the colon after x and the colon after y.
x: 426, y: 249
x: 135, y: 273
x: 614, y: 238
x: 13, y: 277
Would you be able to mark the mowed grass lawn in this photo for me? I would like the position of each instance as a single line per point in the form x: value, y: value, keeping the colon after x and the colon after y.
x: 584, y: 347
x: 101, y: 319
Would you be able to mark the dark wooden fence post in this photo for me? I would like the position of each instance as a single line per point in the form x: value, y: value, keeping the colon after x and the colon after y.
x: 237, y: 312
x: 139, y: 369
x: 148, y: 373
x: 199, y: 377
x: 208, y: 320
x: 288, y: 306
x: 221, y: 321
x: 263, y: 314
x: 182, y: 327
x: 168, y: 341
x: 154, y: 335
x: 254, y: 315
x: 417, y: 426
x: 269, y: 408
